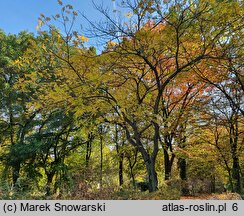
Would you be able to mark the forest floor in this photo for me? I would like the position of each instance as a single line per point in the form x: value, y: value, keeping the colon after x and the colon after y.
x: 223, y: 196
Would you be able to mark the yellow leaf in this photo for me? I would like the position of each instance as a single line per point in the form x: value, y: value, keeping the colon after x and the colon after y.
x: 82, y: 38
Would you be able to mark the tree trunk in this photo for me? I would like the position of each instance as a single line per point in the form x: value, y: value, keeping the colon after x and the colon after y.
x: 213, y: 188
x: 120, y: 156
x: 133, y: 178
x: 230, y: 180
x: 49, y: 183
x: 15, y: 173
x: 182, y: 167
x: 183, y: 176
x: 150, y: 166
x: 132, y: 165
x: 152, y: 175
x: 121, y: 177
x: 236, y: 175
x: 88, y: 152
x: 101, y: 161
x: 149, y: 161
x: 168, y: 162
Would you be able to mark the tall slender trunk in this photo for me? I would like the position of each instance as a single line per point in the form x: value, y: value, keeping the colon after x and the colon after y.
x: 132, y: 176
x: 101, y: 161
x: 236, y: 175
x: 120, y: 156
x: 131, y: 166
x: 213, y: 182
x: 88, y: 149
x: 230, y: 179
x: 16, y: 165
x: 121, y: 177
x: 88, y: 153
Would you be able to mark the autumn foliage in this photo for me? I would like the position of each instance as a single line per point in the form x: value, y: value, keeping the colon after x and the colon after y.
x: 160, y: 108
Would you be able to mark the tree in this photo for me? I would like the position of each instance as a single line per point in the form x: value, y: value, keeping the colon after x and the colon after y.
x: 17, y: 120
x: 147, y: 54
x: 230, y: 121
x: 53, y: 133
x: 169, y: 75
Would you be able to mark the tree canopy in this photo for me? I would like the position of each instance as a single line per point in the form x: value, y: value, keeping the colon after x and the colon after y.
x: 160, y: 108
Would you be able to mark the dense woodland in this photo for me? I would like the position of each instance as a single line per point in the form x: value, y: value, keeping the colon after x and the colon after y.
x: 156, y: 114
